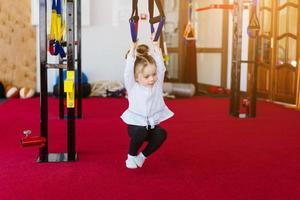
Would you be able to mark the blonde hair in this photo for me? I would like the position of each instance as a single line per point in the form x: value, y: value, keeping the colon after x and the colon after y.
x: 143, y: 59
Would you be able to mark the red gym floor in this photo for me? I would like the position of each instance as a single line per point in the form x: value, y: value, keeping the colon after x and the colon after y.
x: 208, y: 155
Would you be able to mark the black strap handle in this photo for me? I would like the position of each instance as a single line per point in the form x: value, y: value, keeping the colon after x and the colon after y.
x: 152, y: 19
x: 135, y: 13
x: 160, y: 8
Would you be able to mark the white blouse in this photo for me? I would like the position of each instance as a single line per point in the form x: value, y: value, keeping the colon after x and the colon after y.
x: 146, y: 105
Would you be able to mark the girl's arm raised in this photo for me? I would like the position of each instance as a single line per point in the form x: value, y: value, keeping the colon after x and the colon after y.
x: 129, y: 79
x: 161, y: 69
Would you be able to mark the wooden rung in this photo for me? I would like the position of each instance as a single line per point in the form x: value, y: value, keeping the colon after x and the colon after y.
x: 56, y: 66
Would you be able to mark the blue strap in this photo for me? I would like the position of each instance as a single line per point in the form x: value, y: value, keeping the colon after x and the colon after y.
x: 152, y: 28
x: 159, y: 29
x: 134, y: 20
x: 58, y: 49
x: 159, y: 19
x: 133, y: 30
x: 53, y: 5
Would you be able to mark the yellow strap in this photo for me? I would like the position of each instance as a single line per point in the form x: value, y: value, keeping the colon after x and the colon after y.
x: 57, y: 26
x: 53, y: 28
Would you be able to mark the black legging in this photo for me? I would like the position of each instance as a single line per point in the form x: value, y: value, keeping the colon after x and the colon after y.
x: 139, y: 134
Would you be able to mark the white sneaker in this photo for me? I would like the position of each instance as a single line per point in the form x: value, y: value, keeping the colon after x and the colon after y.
x: 140, y: 159
x: 130, y: 162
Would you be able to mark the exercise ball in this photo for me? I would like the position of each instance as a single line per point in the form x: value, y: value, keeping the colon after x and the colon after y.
x: 26, y: 93
x: 11, y: 92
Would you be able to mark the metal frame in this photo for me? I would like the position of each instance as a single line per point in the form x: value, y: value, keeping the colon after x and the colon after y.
x: 79, y: 71
x: 71, y: 155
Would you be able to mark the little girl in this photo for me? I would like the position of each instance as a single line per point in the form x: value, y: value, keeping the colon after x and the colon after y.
x: 144, y: 77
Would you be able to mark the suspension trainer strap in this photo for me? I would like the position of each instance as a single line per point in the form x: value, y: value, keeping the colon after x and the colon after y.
x: 190, y: 11
x: 60, y: 29
x: 151, y: 11
x: 189, y: 31
x: 159, y: 19
x: 53, y: 28
x: 56, y: 30
x: 134, y: 20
